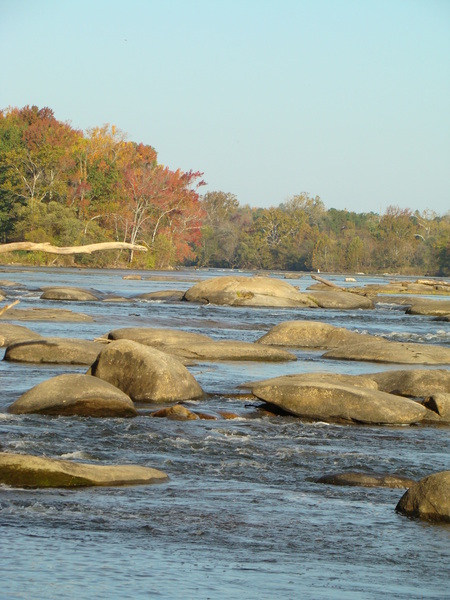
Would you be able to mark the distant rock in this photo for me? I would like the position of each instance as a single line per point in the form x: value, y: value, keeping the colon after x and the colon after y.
x: 60, y: 351
x: 10, y: 334
x: 144, y: 373
x: 335, y: 402
x: 74, y: 394
x: 366, y: 480
x: 247, y: 291
x: 25, y: 470
x: 428, y: 499
x: 69, y: 294
x: 162, y: 296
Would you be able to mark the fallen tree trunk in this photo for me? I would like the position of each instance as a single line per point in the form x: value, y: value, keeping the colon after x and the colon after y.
x: 88, y: 249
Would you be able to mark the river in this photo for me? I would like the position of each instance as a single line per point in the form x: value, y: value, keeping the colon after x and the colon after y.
x: 241, y: 516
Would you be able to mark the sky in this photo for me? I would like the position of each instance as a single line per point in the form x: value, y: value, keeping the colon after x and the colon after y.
x: 348, y: 100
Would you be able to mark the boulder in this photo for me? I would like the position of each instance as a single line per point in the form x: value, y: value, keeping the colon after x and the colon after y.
x: 439, y: 403
x: 69, y: 293
x: 25, y: 470
x: 335, y: 402
x: 307, y: 334
x: 61, y: 351
x: 74, y: 394
x: 413, y: 383
x: 227, y: 350
x: 150, y: 336
x: 299, y: 378
x: 162, y: 296
x: 145, y: 373
x: 341, y: 300
x: 429, y: 307
x: 45, y: 314
x: 366, y: 480
x: 247, y: 291
x: 176, y: 413
x: 10, y: 334
x: 428, y: 499
x: 377, y: 349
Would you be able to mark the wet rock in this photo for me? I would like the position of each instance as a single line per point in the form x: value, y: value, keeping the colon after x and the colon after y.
x: 162, y: 296
x: 366, y: 480
x: 145, y: 373
x: 341, y: 300
x: 46, y: 314
x: 74, y: 394
x: 25, y: 470
x: 335, y: 402
x: 69, y: 294
x: 10, y: 334
x: 247, y: 291
x: 176, y: 413
x: 439, y: 403
x: 428, y: 499
x: 54, y: 350
x: 413, y: 383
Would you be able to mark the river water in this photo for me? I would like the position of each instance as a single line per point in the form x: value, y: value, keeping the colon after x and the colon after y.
x: 241, y: 516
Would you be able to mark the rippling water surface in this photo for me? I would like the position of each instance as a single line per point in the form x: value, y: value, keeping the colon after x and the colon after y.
x: 241, y: 515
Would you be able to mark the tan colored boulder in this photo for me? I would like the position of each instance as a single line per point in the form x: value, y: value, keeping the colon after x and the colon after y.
x: 377, y: 349
x: 145, y: 373
x: 335, y: 402
x: 300, y: 378
x: 413, y: 383
x: 176, y: 413
x: 366, y: 480
x: 25, y: 470
x: 439, y: 403
x: 45, y: 314
x: 247, y: 291
x: 10, y: 334
x: 429, y: 307
x: 228, y: 350
x: 59, y: 351
x: 307, y: 334
x: 69, y: 294
x: 428, y: 499
x: 74, y: 394
x: 150, y: 336
x: 341, y: 300
x: 162, y: 296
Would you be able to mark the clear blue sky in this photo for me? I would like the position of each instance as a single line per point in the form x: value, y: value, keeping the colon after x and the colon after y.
x: 345, y: 99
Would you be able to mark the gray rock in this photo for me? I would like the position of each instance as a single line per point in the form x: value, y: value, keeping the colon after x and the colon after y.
x: 144, y: 373
x: 46, y: 314
x: 10, y: 334
x: 69, y: 294
x: 25, y: 470
x: 61, y: 351
x: 341, y: 300
x: 428, y: 499
x: 74, y: 394
x: 413, y: 383
x: 439, y: 403
x: 366, y: 480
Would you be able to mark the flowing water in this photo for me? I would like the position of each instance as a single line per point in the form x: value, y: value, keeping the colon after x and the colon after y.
x: 241, y: 516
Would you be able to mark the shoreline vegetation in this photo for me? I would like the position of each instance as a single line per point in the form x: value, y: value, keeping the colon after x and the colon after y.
x: 66, y: 187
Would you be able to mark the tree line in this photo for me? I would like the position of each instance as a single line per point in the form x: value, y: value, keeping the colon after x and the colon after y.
x: 68, y: 187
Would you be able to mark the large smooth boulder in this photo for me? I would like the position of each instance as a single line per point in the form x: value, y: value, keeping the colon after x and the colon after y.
x: 413, y: 383
x: 247, y: 291
x: 366, y: 480
x: 429, y: 307
x: 334, y: 402
x: 74, y: 394
x: 376, y: 349
x: 340, y: 300
x: 307, y: 334
x: 25, y: 470
x: 157, y: 337
x: 70, y: 294
x: 144, y: 373
x: 10, y: 334
x: 54, y: 350
x: 428, y: 499
x: 300, y: 378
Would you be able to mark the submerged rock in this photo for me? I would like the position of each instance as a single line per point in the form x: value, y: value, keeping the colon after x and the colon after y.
x: 74, y: 394
x: 25, y: 470
x: 336, y: 402
x: 428, y: 499
x: 247, y: 291
x: 61, y: 351
x: 144, y: 373
x: 366, y: 480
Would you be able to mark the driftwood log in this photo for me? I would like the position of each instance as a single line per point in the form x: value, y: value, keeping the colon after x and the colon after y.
x: 88, y: 249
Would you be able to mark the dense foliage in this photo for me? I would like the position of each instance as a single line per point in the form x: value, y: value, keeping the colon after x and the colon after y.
x: 69, y: 187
